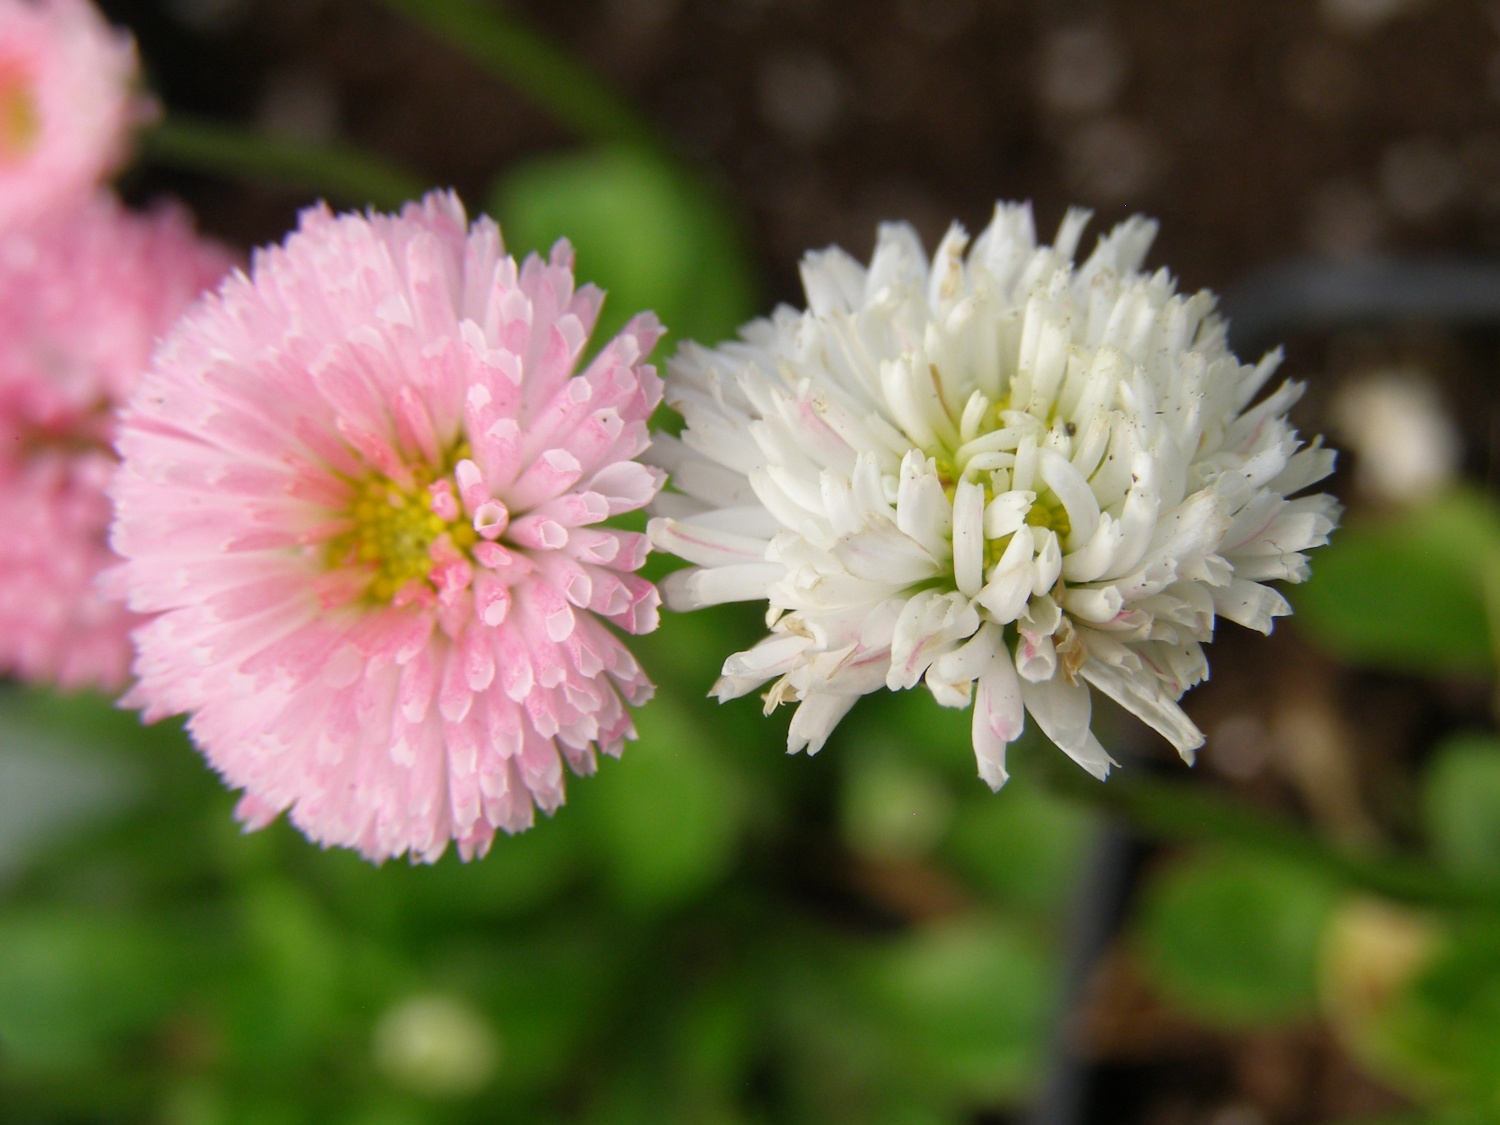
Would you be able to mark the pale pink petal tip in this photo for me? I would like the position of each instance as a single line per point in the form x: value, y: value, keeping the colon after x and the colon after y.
x: 82, y: 302
x: 364, y: 493
x: 67, y: 104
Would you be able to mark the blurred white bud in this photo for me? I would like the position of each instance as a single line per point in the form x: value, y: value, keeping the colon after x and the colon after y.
x: 436, y: 1045
x: 801, y: 96
x: 300, y: 105
x: 1083, y: 69
x: 1361, y: 16
x: 1408, y: 447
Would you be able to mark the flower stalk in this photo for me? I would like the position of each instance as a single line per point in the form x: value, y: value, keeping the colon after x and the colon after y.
x: 341, y: 173
x: 529, y: 61
x: 1170, y: 810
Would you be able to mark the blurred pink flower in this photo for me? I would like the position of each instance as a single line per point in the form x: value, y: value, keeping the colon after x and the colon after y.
x: 362, y: 488
x: 67, y: 103
x: 83, y: 299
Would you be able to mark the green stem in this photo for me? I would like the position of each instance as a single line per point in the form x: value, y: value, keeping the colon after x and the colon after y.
x: 1176, y: 811
x: 342, y: 173
x: 536, y: 66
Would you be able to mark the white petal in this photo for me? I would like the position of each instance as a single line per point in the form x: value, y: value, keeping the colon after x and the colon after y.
x: 1250, y: 604
x: 833, y: 281
x: 1063, y: 711
x: 814, y: 720
x: 1042, y: 616
x: 695, y: 587
x: 951, y: 676
x: 968, y: 537
x: 898, y: 259
x: 1074, y: 492
x: 1023, y: 476
x: 1098, y: 554
x: 1137, y: 527
x: 1307, y: 467
x: 772, y: 657
x: 1091, y: 605
x: 999, y: 716
x: 881, y: 553
x: 1010, y: 580
x: 1144, y: 695
x: 1048, y: 562
x: 922, y: 508
x: 1006, y: 513
x: 704, y: 545
x: 928, y: 626
x: 1036, y: 657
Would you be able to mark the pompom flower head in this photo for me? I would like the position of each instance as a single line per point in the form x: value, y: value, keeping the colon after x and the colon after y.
x: 83, y: 299
x: 1009, y: 475
x: 67, y: 104
x: 362, y: 489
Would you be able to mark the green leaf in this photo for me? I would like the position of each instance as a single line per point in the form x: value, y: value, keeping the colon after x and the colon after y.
x: 667, y: 817
x: 1022, y: 844
x: 75, y: 985
x: 339, y: 171
x: 970, y: 1005
x: 521, y: 56
x: 289, y: 992
x: 1461, y: 801
x: 648, y: 232
x: 892, y: 807
x: 1408, y: 593
x: 1440, y: 1035
x: 60, y: 771
x: 1234, y: 939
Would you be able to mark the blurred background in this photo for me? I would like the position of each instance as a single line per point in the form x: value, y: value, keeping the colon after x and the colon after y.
x: 1304, y: 929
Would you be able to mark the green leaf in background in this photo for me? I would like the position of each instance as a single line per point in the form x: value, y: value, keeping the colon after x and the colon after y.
x: 969, y: 1003
x: 1452, y: 1013
x: 1429, y: 1023
x: 1461, y: 803
x: 1408, y: 593
x: 294, y: 977
x: 1373, y: 951
x: 1234, y: 939
x: 75, y: 986
x: 892, y: 807
x: 648, y: 232
x: 336, y: 170
x: 1023, y: 844
x: 924, y: 1026
x: 57, y: 771
x: 545, y: 989
x: 667, y: 817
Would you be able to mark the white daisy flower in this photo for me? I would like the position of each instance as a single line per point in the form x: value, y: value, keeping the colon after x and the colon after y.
x: 1002, y: 473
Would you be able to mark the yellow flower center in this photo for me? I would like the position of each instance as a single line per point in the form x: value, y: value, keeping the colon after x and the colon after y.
x: 1048, y: 511
x: 20, y: 123
x: 394, y: 530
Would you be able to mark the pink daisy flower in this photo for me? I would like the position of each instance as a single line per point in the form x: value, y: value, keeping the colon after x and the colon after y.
x: 82, y: 303
x: 67, y: 104
x: 363, y: 489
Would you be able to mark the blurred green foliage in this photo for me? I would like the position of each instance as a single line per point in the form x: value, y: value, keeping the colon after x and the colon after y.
x: 651, y: 233
x: 1234, y: 938
x: 1461, y: 805
x: 709, y: 931
x: 1240, y: 940
x: 1413, y: 592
